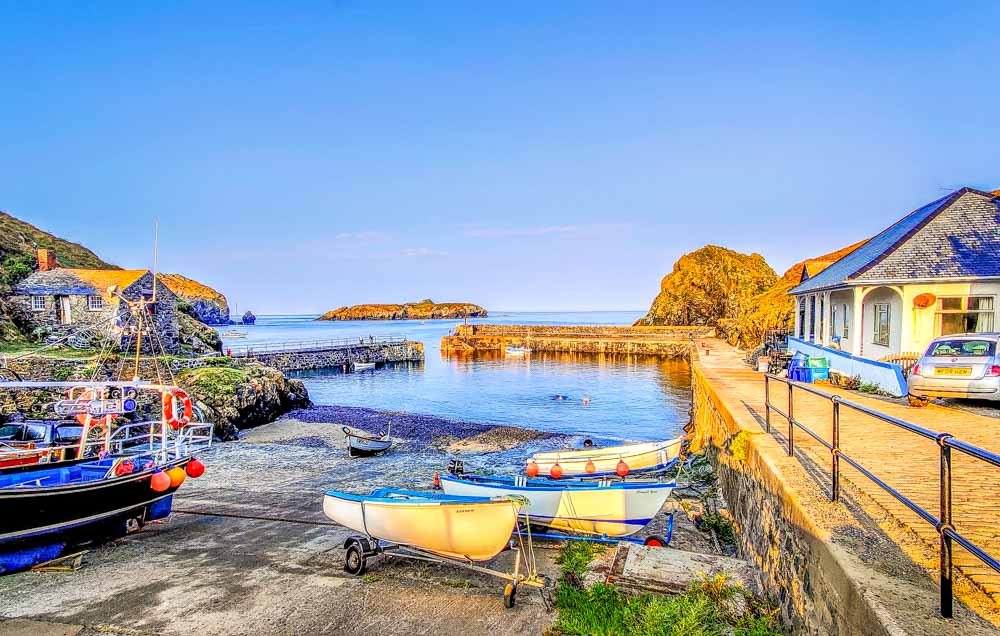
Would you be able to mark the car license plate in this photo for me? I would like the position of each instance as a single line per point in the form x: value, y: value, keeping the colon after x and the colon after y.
x: 953, y: 371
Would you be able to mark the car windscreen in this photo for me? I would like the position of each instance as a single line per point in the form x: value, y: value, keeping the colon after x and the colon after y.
x: 962, y: 348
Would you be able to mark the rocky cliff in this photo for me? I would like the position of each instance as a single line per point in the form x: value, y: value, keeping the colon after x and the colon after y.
x: 773, y: 309
x: 423, y: 310
x: 709, y: 287
x: 208, y: 305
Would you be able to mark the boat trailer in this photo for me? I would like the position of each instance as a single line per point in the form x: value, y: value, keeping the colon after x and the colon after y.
x: 362, y: 548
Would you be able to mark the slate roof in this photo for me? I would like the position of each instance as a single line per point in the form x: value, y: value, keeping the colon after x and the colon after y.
x: 956, y: 236
x: 77, y: 281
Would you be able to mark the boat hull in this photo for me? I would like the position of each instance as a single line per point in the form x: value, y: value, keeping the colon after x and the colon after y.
x: 613, y: 510
x: 33, y: 512
x: 475, y: 531
x: 640, y: 458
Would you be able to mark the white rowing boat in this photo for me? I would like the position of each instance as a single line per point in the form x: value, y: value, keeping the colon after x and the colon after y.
x: 604, y: 462
x: 606, y: 508
x: 365, y: 445
x: 467, y: 528
x: 363, y: 366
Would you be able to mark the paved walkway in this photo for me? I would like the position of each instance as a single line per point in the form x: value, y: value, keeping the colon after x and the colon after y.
x: 905, y: 461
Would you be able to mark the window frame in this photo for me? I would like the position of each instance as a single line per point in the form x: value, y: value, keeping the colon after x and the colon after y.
x: 877, y: 336
x: 95, y: 306
x: 846, y: 332
x: 940, y: 312
x: 34, y: 303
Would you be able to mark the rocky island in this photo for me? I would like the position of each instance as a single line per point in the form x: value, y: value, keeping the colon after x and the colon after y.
x: 426, y: 309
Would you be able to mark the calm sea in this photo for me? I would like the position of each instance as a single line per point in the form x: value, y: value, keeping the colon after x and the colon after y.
x: 631, y: 397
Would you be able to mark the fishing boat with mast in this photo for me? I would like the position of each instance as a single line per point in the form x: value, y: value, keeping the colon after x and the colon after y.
x: 124, y: 447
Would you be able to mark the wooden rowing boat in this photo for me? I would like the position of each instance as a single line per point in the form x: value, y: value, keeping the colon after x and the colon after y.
x: 607, y: 508
x: 367, y: 445
x: 468, y: 528
x: 603, y: 462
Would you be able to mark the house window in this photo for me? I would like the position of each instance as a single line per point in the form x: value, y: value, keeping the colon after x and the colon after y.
x: 846, y: 331
x: 833, y: 322
x: 802, y: 318
x: 965, y: 314
x: 881, y: 334
x: 38, y: 303
x: 95, y: 303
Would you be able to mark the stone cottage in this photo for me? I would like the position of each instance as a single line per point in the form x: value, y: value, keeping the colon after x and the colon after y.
x: 89, y: 303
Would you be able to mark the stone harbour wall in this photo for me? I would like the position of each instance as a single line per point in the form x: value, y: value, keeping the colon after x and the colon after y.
x: 777, y: 530
x: 326, y: 359
x: 671, y: 342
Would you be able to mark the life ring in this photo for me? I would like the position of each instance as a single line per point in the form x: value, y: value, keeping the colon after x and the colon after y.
x: 170, y: 411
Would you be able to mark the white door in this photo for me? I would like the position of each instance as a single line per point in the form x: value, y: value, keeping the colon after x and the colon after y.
x: 65, y: 315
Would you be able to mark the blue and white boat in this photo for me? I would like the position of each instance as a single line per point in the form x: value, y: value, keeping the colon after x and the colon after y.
x: 603, y: 508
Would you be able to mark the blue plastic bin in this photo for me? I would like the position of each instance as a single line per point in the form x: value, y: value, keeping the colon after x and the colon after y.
x: 816, y: 373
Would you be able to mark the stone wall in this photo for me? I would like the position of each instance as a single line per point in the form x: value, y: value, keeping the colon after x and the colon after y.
x: 332, y: 358
x: 784, y: 522
x: 656, y: 341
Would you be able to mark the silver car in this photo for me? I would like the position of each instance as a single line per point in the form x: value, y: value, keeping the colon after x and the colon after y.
x: 958, y: 366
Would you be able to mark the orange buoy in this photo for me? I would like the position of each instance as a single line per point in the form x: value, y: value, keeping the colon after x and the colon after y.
x: 590, y: 468
x: 621, y: 468
x: 556, y: 472
x: 437, y: 480
x: 177, y: 476
x: 532, y: 469
x: 195, y: 468
x: 160, y: 481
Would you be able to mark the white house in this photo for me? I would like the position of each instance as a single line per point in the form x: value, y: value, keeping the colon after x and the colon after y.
x: 934, y: 272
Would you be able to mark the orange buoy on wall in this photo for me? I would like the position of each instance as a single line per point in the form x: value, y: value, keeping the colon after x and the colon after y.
x: 531, y: 469
x: 556, y: 472
x: 622, y: 468
x: 590, y: 468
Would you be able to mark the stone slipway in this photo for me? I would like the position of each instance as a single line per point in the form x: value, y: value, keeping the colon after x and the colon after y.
x: 850, y: 568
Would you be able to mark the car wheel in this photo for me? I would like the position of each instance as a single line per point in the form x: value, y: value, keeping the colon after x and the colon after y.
x: 918, y: 401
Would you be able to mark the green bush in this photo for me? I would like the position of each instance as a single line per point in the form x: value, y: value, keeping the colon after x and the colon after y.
x: 15, y: 268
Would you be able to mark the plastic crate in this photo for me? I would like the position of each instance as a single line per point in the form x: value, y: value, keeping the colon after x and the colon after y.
x: 816, y: 373
x: 817, y: 363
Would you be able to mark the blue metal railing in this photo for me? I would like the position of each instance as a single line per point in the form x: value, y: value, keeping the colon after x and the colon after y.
x: 945, y: 441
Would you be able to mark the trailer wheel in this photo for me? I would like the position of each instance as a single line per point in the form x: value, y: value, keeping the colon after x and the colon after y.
x: 509, y: 595
x: 655, y: 541
x: 354, y: 561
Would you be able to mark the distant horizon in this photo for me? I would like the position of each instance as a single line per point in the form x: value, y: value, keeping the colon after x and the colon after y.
x: 300, y: 158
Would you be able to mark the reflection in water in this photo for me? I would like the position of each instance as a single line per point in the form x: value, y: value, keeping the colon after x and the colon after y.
x: 610, y: 396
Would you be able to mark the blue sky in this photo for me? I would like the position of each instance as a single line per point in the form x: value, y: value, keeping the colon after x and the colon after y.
x: 522, y: 155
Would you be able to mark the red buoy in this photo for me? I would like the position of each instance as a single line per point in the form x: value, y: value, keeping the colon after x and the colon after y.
x: 621, y: 468
x: 160, y: 481
x: 590, y: 468
x: 532, y: 469
x: 195, y: 468
x: 437, y: 480
x: 177, y: 476
x: 556, y: 472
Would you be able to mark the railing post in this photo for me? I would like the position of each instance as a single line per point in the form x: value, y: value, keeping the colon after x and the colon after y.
x: 767, y: 404
x: 791, y: 421
x: 943, y: 526
x: 835, y: 469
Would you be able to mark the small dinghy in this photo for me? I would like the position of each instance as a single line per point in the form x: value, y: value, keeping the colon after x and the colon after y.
x: 647, y: 457
x: 516, y: 351
x: 367, y: 445
x: 605, y: 508
x: 363, y: 366
x: 465, y: 528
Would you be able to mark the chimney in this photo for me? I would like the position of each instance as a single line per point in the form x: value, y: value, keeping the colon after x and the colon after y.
x: 46, y: 260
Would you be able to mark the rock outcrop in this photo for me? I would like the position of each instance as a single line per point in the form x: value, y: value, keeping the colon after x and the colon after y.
x: 237, y: 397
x: 423, y: 310
x: 773, y: 309
x: 207, y: 305
x: 709, y: 286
